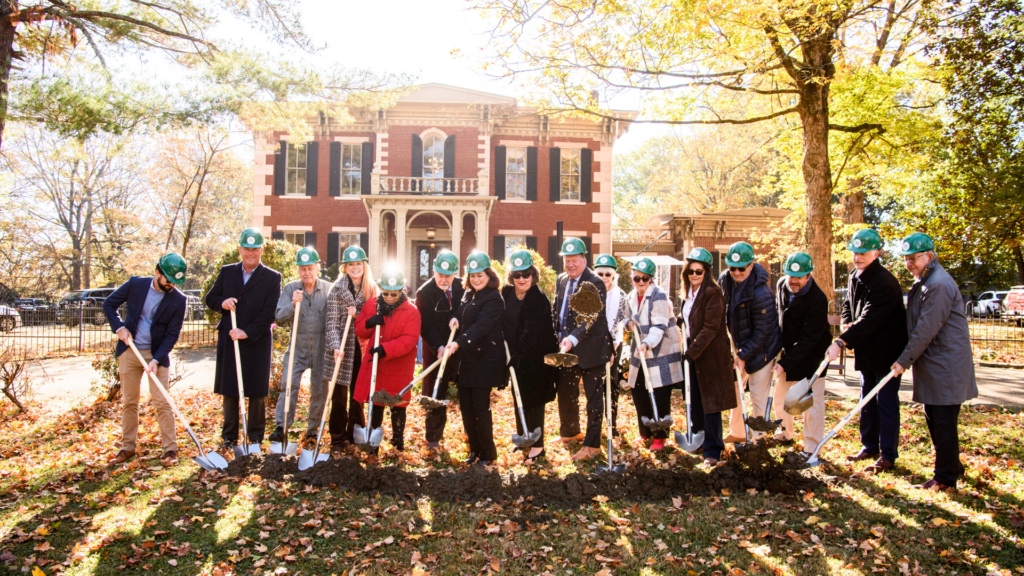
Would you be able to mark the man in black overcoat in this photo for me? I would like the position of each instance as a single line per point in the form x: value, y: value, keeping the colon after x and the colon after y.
x: 251, y: 290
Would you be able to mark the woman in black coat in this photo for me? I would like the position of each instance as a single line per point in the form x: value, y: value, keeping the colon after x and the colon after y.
x: 481, y: 355
x: 530, y: 335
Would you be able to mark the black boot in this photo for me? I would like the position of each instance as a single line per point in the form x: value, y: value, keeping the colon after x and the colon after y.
x: 278, y: 435
x: 472, y: 458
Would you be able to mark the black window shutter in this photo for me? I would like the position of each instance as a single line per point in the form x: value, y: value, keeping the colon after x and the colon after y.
x: 715, y: 265
x: 499, y: 172
x: 586, y: 173
x: 312, y: 161
x: 531, y: 173
x: 589, y: 255
x: 334, y: 184
x: 449, y: 157
x: 364, y: 243
x: 366, y: 168
x: 531, y: 243
x: 499, y: 248
x: 555, y: 170
x: 280, y: 157
x: 417, y: 156
x: 277, y: 235
x: 310, y: 240
x: 333, y: 246
x: 554, y: 260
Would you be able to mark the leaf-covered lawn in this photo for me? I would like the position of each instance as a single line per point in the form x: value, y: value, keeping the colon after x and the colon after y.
x: 62, y: 510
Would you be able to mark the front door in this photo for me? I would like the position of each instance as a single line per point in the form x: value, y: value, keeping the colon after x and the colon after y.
x: 425, y: 253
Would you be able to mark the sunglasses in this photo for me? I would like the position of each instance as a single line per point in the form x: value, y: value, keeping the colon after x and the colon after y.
x: 605, y: 274
x: 739, y: 269
x: 698, y: 272
x: 641, y: 279
x: 388, y: 294
x: 521, y: 275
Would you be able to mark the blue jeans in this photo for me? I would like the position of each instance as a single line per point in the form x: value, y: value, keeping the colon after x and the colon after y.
x: 880, y: 418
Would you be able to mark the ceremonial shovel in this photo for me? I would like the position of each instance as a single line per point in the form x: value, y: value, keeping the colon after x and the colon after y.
x: 431, y: 402
x: 208, y: 460
x: 308, y: 458
x: 246, y: 448
x: 688, y: 442
x: 813, y: 460
x: 561, y: 358
x: 656, y: 423
x: 289, y: 448
x: 369, y: 436
x: 739, y: 387
x: 800, y: 397
x: 764, y: 424
x: 385, y: 398
x: 529, y: 438
x: 611, y: 467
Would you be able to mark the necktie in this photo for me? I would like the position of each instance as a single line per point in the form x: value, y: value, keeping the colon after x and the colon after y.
x: 565, y: 302
x: 448, y: 293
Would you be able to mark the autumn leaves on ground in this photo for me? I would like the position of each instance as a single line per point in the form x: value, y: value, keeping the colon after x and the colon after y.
x: 63, y: 511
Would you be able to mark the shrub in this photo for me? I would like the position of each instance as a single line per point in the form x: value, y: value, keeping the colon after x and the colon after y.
x: 548, y: 276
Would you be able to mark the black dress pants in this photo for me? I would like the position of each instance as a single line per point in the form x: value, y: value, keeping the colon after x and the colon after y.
x: 568, y: 392
x: 534, y: 419
x: 942, y: 426
x: 397, y: 424
x: 642, y: 401
x: 256, y: 420
x: 475, y: 406
x: 437, y: 418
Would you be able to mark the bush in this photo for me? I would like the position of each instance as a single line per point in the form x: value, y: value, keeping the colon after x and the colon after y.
x: 15, y: 383
x: 548, y: 276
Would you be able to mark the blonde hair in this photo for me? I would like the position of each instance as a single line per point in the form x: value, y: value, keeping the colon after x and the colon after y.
x: 370, y: 289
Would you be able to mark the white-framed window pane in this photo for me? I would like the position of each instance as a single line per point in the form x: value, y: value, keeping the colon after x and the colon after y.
x: 513, y: 243
x: 515, y: 173
x: 295, y: 172
x: 424, y: 263
x: 297, y: 238
x: 346, y: 240
x: 351, y: 168
x: 570, y: 170
x: 570, y: 187
x: 433, y: 162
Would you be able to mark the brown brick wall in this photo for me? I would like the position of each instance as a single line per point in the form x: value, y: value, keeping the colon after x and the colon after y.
x: 467, y: 144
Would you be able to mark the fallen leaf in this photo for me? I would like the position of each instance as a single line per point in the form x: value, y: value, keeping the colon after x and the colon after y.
x: 495, y: 565
x: 42, y: 547
x: 811, y: 520
x: 601, y: 499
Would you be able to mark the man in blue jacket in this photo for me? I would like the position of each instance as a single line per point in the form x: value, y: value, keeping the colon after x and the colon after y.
x: 753, y: 322
x: 156, y: 311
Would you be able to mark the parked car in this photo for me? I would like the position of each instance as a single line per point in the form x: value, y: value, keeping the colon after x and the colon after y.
x: 34, y: 311
x: 87, y: 304
x: 9, y: 318
x: 988, y: 304
x: 1012, y: 305
x: 196, y: 310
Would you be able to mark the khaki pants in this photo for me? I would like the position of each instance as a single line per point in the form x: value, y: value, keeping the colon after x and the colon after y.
x: 814, y: 417
x: 759, y: 383
x: 132, y: 373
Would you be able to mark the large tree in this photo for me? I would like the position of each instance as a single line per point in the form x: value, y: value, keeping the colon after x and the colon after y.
x: 681, y: 57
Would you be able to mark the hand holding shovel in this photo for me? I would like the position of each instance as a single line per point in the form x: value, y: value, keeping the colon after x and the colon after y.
x: 308, y: 458
x: 431, y: 402
x: 246, y: 448
x: 285, y: 447
x: 528, y: 438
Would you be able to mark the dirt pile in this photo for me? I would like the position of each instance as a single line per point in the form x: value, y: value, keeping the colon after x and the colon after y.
x: 753, y: 468
x: 759, y: 424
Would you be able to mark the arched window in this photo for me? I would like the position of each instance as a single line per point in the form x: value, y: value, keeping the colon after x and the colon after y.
x: 433, y: 161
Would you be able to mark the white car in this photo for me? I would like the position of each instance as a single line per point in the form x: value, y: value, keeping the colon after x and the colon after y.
x: 988, y: 303
x: 9, y: 318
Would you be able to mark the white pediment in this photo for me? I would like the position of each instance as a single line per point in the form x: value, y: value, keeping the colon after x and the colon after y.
x: 446, y: 94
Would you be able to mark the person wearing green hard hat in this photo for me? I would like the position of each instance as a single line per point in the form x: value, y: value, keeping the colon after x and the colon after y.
x: 312, y: 292
x: 617, y: 312
x: 481, y: 355
x: 353, y: 289
x: 706, y: 356
x: 437, y: 300
x: 246, y: 295
x: 874, y: 324
x: 939, y: 350
x: 530, y: 336
x: 155, y: 315
x: 397, y: 322
x: 591, y: 342
x: 753, y: 322
x: 806, y: 335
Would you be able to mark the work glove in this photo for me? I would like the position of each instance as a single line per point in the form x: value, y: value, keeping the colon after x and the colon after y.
x: 379, y: 351
x: 374, y: 321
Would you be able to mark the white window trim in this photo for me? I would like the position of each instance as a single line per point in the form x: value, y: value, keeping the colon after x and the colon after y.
x: 351, y: 139
x: 349, y: 229
x: 517, y: 201
x: 525, y: 173
x: 432, y: 132
x: 573, y: 233
x: 295, y: 229
x: 517, y: 143
x: 570, y: 145
x: 342, y: 171
x: 348, y: 197
x: 515, y: 232
x: 295, y: 196
x: 571, y: 202
x: 287, y: 168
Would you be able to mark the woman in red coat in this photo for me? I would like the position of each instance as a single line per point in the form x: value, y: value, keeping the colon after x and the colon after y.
x: 399, y: 323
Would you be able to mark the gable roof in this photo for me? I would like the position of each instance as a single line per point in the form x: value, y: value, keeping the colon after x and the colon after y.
x: 447, y: 94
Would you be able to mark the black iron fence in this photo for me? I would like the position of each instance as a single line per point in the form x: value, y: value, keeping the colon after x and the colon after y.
x: 81, y: 327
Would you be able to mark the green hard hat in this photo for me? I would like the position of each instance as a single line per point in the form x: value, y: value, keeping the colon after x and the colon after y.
x: 306, y: 256
x: 864, y: 240
x: 520, y: 260
x: 477, y: 262
x: 739, y: 255
x: 446, y: 262
x: 251, y: 238
x: 392, y: 279
x: 172, y: 265
x: 573, y: 246
x: 645, y: 266
x: 700, y: 255
x: 353, y: 254
x: 606, y: 261
x: 916, y: 242
x: 798, y: 264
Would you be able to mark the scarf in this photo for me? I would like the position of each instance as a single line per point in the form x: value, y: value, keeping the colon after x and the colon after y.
x: 384, y: 309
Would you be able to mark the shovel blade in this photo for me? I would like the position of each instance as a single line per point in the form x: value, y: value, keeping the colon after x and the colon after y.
x: 614, y: 469
x: 659, y: 424
x: 240, y: 450
x: 529, y: 439
x: 376, y: 436
x: 691, y: 444
x: 431, y: 403
x: 290, y: 450
x: 308, y: 459
x: 560, y: 359
x: 211, y: 461
x: 360, y: 435
x: 385, y: 398
x: 799, y: 398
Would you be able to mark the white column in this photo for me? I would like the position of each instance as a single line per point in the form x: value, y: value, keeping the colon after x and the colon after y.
x: 457, y: 233
x: 400, y: 252
x: 482, y: 240
x: 375, y: 244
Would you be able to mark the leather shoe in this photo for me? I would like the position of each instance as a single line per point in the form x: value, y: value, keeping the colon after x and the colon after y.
x: 586, y: 453
x: 862, y: 455
x: 170, y: 458
x: 934, y: 484
x: 711, y: 461
x: 278, y: 434
x: 471, y: 458
x: 731, y: 439
x: 121, y: 457
x: 880, y: 465
x: 568, y: 439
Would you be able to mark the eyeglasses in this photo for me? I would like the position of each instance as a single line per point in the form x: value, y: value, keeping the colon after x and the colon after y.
x: 739, y: 269
x: 641, y: 279
x: 605, y: 274
x: 521, y: 275
x: 389, y: 294
x: 697, y: 272
x: 910, y: 258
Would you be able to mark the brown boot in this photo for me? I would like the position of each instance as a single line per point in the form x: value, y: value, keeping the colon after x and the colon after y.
x: 121, y: 457
x: 862, y: 455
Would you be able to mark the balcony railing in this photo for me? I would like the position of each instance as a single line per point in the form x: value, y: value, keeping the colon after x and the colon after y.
x: 643, y: 235
x: 385, y: 184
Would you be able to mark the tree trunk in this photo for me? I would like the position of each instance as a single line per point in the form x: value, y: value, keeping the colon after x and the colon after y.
x: 7, y: 8
x: 817, y: 173
x: 853, y: 203
x: 76, y: 264
x: 1018, y: 259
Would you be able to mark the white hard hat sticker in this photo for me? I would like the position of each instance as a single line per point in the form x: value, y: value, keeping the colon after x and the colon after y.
x: 906, y: 245
x: 304, y: 257
x: 735, y: 257
x: 392, y: 282
x: 444, y: 265
x: 518, y: 262
x: 795, y: 267
x: 353, y: 254
x: 857, y: 242
x: 250, y: 240
x: 472, y: 264
x: 179, y: 275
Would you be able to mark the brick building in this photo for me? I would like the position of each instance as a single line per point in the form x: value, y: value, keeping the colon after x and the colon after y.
x: 445, y: 167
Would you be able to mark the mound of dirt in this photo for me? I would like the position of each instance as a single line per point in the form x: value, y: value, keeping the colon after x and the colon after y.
x: 759, y: 424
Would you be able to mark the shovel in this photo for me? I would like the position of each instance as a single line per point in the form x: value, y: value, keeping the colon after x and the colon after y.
x: 688, y: 442
x: 368, y: 437
x: 208, y: 460
x: 385, y: 398
x: 655, y: 423
x: 562, y: 358
x: 800, y: 397
x: 529, y: 438
x: 764, y: 424
x: 287, y: 448
x: 308, y: 458
x: 813, y: 460
x: 612, y: 467
x: 246, y: 448
x: 739, y: 389
x: 431, y: 402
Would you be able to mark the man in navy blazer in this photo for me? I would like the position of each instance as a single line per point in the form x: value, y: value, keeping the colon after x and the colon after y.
x: 156, y: 311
